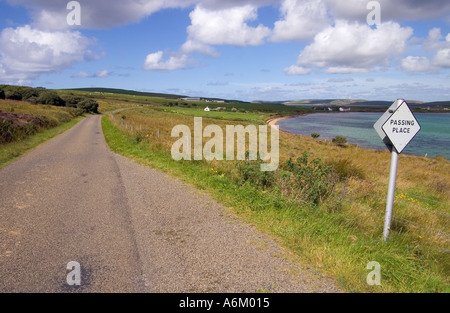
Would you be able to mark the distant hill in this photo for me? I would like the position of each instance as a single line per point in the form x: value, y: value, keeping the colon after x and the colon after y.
x: 129, y: 92
x: 146, y: 94
x: 315, y: 103
x: 438, y: 105
x: 338, y: 102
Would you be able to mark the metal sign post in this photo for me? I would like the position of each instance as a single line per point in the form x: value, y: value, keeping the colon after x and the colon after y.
x: 396, y: 127
x: 390, y: 195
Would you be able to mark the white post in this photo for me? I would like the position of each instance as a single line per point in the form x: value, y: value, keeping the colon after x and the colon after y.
x: 391, y: 194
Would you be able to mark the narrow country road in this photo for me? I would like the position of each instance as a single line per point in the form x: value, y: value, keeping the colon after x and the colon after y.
x: 131, y: 228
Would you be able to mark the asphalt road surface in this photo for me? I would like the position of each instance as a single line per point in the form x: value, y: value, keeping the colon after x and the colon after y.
x: 129, y: 227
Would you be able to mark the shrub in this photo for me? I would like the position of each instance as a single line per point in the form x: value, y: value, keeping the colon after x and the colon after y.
x: 51, y: 98
x: 13, y: 94
x: 250, y: 171
x: 88, y: 106
x: 28, y: 92
x: 315, y: 135
x: 33, y: 100
x: 6, y: 131
x: 2, y: 94
x: 302, y: 180
x: 16, y: 126
x: 341, y: 141
x: 76, y: 112
x: 307, y: 181
x: 72, y: 101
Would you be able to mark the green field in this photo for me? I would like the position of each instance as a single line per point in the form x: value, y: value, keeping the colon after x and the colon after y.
x: 233, y: 116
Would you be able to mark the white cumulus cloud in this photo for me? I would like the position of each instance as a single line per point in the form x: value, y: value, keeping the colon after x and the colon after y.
x: 438, y: 45
x: 416, y: 64
x: 209, y: 28
x: 27, y: 52
x: 226, y: 26
x: 301, y: 20
x: 353, y: 48
x: 155, y: 62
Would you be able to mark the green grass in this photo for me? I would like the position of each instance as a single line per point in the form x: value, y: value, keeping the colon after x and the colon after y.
x: 332, y: 241
x: 232, y: 116
x: 12, y: 151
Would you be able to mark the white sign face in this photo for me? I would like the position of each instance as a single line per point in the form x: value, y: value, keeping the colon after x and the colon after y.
x: 401, y: 127
x: 379, y: 124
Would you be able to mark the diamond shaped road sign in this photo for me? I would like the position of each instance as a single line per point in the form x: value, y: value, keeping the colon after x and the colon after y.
x: 379, y: 124
x: 401, y: 127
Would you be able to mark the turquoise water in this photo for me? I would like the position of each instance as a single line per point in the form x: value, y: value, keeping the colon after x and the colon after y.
x: 432, y: 140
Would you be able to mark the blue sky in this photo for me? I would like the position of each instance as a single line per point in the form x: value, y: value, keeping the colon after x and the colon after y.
x: 236, y: 49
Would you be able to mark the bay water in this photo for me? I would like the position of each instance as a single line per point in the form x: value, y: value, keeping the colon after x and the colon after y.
x: 432, y: 140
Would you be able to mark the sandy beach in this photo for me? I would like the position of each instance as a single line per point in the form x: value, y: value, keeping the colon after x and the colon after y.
x: 274, y: 121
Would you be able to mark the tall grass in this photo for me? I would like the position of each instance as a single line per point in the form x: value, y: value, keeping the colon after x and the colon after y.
x: 325, y: 203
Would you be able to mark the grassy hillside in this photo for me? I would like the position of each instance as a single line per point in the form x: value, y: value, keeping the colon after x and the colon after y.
x: 23, y: 126
x: 292, y: 107
x: 128, y: 92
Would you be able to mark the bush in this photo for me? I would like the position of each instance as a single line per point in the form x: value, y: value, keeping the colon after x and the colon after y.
x: 315, y: 135
x: 16, y: 126
x: 51, y: 98
x: 28, y: 92
x: 13, y: 94
x: 72, y: 101
x: 33, y: 100
x: 251, y: 171
x: 88, y: 106
x: 307, y: 181
x: 302, y: 180
x: 2, y: 94
x: 341, y: 141
x: 76, y: 112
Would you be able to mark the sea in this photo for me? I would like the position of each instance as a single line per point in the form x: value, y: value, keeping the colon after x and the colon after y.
x: 432, y: 140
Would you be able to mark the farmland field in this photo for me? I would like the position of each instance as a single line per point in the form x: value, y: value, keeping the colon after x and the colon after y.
x: 233, y: 116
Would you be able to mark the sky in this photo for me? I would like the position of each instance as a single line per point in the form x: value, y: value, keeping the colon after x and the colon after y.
x: 236, y: 49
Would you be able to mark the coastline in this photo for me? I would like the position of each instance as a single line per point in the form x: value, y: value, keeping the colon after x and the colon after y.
x: 274, y: 121
x: 427, y: 154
